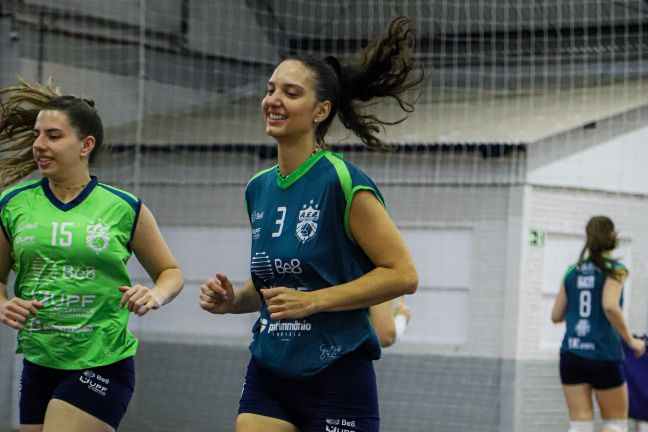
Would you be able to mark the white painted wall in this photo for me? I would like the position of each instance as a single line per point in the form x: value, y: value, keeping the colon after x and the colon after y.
x: 618, y: 165
x: 440, y: 308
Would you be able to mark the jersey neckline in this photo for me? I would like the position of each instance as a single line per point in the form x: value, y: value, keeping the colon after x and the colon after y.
x: 290, y: 179
x: 75, y: 202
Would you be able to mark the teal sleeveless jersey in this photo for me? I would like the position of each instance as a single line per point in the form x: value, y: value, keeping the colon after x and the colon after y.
x: 72, y: 258
x: 301, y: 240
x: 588, y: 332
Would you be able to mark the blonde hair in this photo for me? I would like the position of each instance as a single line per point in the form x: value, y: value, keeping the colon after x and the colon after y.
x: 18, y: 114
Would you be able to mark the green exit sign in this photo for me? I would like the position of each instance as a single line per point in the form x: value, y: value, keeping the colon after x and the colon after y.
x: 537, y: 237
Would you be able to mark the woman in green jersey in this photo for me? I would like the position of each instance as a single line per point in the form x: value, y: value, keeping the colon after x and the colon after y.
x: 324, y: 248
x: 67, y: 237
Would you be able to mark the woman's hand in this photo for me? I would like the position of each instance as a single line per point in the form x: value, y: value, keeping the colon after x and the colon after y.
x: 16, y: 311
x: 638, y: 346
x: 217, y: 295
x: 286, y: 303
x: 140, y: 299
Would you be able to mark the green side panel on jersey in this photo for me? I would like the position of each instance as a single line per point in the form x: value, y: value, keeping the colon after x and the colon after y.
x: 260, y: 173
x: 349, y: 191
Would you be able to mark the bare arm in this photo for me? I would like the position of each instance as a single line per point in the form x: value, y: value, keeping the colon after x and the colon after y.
x: 155, y: 256
x: 395, y: 273
x: 16, y: 311
x: 218, y: 296
x: 612, y: 308
x: 560, y: 306
x: 382, y: 319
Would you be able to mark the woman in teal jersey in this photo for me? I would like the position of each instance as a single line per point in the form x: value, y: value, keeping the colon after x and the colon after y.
x: 67, y: 238
x: 591, y: 356
x: 323, y: 247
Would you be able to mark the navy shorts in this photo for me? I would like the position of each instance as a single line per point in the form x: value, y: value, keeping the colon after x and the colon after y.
x: 342, y: 396
x: 598, y: 373
x: 103, y: 392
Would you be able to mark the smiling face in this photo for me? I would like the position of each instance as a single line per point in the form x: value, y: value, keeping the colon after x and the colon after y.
x: 290, y: 106
x: 58, y: 150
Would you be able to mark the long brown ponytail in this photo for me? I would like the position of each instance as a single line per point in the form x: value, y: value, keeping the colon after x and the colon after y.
x: 601, y: 237
x: 384, y: 70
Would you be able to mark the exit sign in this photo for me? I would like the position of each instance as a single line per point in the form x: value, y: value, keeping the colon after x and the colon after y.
x: 537, y: 237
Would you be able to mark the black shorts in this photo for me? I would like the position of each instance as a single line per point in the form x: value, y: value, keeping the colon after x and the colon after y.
x: 341, y: 397
x: 599, y: 374
x: 103, y: 392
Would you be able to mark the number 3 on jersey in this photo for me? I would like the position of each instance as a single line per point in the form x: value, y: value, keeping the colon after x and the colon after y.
x: 280, y: 221
x: 61, y: 236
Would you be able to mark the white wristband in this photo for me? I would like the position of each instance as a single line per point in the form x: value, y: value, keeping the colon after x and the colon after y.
x: 400, y: 322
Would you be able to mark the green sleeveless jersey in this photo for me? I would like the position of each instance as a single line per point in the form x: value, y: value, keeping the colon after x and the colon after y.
x: 72, y: 258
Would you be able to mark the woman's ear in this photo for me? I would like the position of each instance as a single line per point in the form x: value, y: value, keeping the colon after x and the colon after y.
x: 322, y: 111
x: 87, y: 146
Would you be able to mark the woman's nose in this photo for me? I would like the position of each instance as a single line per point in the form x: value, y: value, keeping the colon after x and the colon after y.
x: 38, y: 142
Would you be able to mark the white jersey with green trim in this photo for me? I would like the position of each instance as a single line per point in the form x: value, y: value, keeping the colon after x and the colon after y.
x: 71, y: 257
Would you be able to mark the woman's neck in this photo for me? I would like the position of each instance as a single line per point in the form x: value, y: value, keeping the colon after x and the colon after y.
x: 67, y: 188
x: 292, y: 155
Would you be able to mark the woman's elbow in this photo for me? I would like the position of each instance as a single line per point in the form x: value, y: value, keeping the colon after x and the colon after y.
x: 557, y: 319
x: 387, y: 338
x: 410, y: 281
x: 611, y: 309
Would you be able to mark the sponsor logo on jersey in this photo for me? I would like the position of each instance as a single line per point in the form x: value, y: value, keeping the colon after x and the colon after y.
x: 25, y: 239
x: 78, y: 273
x: 585, y: 282
x: 285, y: 328
x: 256, y: 216
x: 575, y: 343
x: 291, y: 326
x: 288, y: 267
x: 26, y: 226
x: 307, y: 225
x: 261, y: 266
x: 256, y: 233
x: 339, y: 425
x: 35, y: 325
x: 97, y: 236
x: 68, y: 300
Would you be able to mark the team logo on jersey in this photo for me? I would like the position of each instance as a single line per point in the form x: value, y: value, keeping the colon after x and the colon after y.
x: 97, y: 236
x: 582, y: 328
x: 307, y: 225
